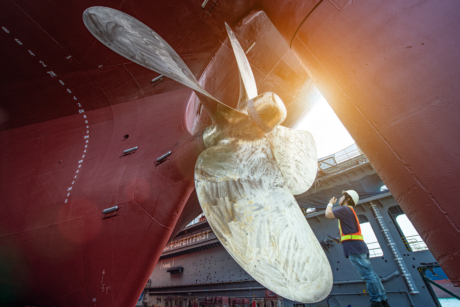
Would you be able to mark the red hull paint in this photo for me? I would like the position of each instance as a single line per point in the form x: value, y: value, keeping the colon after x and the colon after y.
x: 92, y: 257
x: 399, y: 107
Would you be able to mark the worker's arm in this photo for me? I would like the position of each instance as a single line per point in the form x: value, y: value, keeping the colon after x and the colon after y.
x: 329, y: 214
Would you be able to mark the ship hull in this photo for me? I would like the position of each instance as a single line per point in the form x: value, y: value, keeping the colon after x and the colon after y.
x: 70, y: 107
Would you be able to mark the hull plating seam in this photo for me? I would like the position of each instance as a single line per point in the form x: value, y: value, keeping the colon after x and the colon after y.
x: 308, y: 15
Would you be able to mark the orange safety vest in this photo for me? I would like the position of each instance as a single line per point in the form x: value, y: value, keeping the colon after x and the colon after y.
x: 351, y: 236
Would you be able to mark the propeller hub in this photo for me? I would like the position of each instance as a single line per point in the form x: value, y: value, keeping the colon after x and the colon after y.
x: 267, y: 110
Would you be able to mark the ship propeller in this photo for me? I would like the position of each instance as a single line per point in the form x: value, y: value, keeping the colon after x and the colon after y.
x: 246, y: 178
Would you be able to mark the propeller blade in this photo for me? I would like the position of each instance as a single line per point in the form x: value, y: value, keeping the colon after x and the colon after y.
x: 248, y: 88
x: 135, y: 41
x: 256, y: 218
x: 295, y: 152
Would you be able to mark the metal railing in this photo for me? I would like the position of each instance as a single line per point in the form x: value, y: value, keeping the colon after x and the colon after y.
x: 347, y: 153
x: 198, y: 219
x: 339, y: 157
x: 414, y: 243
x: 374, y: 249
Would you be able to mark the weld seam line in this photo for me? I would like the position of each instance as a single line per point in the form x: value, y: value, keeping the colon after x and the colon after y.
x: 40, y: 27
x: 54, y: 224
x: 129, y: 72
x: 58, y: 298
x: 290, y: 45
x: 151, y: 215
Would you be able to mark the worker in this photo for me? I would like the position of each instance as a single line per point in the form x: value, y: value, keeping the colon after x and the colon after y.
x: 354, y: 246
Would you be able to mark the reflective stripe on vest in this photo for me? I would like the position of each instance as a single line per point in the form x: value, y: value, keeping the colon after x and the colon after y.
x: 351, y: 236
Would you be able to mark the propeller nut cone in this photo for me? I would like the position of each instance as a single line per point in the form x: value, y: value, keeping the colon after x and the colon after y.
x: 267, y: 110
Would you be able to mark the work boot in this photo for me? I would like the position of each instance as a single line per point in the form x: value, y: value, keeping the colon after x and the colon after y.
x: 376, y: 304
x: 385, y: 304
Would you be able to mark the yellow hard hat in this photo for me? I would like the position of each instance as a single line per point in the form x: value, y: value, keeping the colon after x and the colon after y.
x: 353, y: 195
